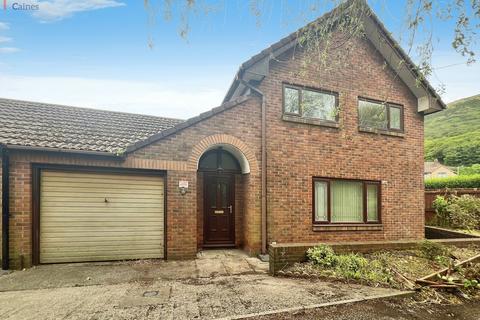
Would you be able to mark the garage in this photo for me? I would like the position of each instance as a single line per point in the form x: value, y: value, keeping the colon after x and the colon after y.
x: 99, y: 215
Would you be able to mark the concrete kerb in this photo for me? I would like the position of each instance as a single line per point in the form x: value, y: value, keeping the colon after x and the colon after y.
x: 403, y: 294
x: 438, y: 233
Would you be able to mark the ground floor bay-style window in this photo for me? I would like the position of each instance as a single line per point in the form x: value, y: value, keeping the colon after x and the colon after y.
x: 345, y: 201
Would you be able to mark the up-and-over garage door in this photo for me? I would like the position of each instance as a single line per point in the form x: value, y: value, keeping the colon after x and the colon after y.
x: 96, y: 216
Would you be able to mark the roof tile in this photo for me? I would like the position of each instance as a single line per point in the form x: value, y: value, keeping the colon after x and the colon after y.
x: 33, y: 124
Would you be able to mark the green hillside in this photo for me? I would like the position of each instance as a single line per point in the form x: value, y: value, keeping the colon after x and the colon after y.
x: 453, y: 135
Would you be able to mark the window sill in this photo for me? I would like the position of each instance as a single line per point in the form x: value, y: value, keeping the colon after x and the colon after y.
x: 382, y: 132
x: 348, y: 227
x: 316, y: 122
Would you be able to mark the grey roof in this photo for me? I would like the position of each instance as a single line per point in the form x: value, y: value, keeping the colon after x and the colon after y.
x: 33, y: 124
x: 430, y: 166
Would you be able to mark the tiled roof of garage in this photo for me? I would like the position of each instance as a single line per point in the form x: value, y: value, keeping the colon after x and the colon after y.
x: 41, y: 125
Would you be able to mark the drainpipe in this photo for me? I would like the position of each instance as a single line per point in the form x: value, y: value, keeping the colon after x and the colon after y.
x: 5, y: 206
x: 264, y: 164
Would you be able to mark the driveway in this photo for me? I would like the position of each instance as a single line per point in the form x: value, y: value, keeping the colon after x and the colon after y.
x: 219, y: 283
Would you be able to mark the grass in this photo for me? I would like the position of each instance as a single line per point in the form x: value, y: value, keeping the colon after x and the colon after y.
x: 461, y: 116
x: 453, y: 135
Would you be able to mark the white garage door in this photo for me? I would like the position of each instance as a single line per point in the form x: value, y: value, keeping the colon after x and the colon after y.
x: 100, y: 216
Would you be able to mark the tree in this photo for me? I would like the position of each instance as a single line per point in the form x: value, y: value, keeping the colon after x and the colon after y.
x: 315, y: 38
x: 468, y: 171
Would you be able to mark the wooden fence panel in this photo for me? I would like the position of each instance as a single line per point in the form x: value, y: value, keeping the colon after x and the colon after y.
x: 430, y: 196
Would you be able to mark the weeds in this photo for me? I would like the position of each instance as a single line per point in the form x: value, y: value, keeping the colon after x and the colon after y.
x: 348, y: 266
x: 397, y: 269
x: 457, y: 212
x: 435, y: 252
x: 379, y: 268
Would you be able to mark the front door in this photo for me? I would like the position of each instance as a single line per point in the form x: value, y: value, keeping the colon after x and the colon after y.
x: 219, y: 223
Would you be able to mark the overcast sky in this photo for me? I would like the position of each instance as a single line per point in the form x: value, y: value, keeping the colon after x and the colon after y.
x: 111, y: 54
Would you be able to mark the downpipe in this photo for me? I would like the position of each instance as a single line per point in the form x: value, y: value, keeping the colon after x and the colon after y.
x: 263, y: 167
x: 5, y: 206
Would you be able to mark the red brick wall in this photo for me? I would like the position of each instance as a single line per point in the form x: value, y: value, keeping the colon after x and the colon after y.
x: 239, y: 214
x: 242, y: 123
x: 181, y: 216
x: 200, y: 209
x: 297, y: 152
x: 251, y: 214
x: 173, y: 155
x: 20, y: 212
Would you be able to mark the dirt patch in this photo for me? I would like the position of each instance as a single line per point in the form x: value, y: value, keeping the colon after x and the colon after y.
x: 396, y: 269
x: 401, y: 309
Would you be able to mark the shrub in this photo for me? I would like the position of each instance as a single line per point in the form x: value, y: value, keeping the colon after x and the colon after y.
x: 472, y: 181
x: 432, y: 250
x: 349, y: 266
x: 468, y: 171
x: 322, y: 255
x: 457, y: 212
x: 442, y: 217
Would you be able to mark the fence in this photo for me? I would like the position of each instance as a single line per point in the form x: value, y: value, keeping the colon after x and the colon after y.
x: 430, y: 196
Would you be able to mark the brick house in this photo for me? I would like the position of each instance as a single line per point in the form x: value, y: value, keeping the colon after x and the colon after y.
x: 434, y: 169
x: 333, y: 153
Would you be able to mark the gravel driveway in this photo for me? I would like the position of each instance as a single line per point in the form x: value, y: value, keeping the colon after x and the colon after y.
x: 220, y: 283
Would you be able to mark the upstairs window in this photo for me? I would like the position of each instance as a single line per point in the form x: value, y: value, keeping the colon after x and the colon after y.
x: 310, y: 103
x: 378, y: 115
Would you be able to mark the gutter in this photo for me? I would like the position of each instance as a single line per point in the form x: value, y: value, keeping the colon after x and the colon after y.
x: 264, y: 166
x: 411, y: 66
x: 67, y: 151
x: 5, y: 206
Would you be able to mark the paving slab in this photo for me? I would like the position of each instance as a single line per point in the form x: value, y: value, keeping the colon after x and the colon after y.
x: 208, y: 268
x: 4, y: 272
x: 173, y: 270
x: 238, y: 267
x: 257, y: 265
x: 137, y: 296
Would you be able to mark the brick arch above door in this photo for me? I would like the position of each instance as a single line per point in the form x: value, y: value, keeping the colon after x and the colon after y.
x: 236, y: 146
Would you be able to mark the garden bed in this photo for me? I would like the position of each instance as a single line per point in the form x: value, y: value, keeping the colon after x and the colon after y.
x: 387, y: 268
x: 475, y: 233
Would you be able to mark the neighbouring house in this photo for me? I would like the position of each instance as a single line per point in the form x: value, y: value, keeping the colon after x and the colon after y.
x: 434, y: 169
x: 332, y: 153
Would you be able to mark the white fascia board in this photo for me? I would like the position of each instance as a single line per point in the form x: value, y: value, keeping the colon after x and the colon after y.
x: 426, y: 102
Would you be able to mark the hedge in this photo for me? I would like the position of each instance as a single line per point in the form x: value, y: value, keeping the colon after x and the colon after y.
x: 472, y: 181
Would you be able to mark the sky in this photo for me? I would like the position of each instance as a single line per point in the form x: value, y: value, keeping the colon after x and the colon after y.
x: 119, y: 55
